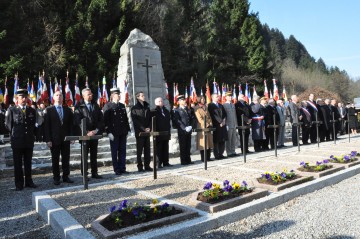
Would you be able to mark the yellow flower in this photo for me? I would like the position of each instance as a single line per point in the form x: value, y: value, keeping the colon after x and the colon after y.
x: 236, y: 186
x: 216, y: 186
x: 155, y: 210
x: 284, y: 170
x: 155, y: 201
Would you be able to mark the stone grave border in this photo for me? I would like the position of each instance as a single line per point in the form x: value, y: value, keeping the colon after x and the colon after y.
x: 64, y: 224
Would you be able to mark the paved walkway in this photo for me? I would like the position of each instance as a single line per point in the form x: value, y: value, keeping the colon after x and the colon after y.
x: 18, y: 219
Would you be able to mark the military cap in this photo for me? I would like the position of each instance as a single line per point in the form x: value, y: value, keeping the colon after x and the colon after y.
x: 263, y: 98
x: 229, y: 93
x: 115, y: 90
x: 23, y: 92
x: 181, y: 97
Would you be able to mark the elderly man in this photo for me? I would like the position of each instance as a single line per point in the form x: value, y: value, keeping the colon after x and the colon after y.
x: 162, y: 124
x: 258, y: 123
x: 282, y: 118
x: 218, y: 118
x: 231, y: 123
x: 271, y: 111
x: 294, y: 118
x: 313, y: 110
x: 87, y: 108
x: 20, y: 121
x: 117, y: 127
x: 305, y: 118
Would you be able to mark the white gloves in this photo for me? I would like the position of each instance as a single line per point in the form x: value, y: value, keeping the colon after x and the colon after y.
x: 111, y: 136
x: 36, y: 125
x: 188, y: 128
x: 227, y: 128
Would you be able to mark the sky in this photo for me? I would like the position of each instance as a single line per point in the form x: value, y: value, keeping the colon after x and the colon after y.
x: 327, y: 28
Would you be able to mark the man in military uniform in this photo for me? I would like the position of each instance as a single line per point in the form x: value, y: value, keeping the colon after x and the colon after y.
x: 20, y: 121
x: 231, y: 123
x: 184, y: 123
x: 58, y: 124
x: 243, y: 109
x: 90, y: 110
x: 117, y: 127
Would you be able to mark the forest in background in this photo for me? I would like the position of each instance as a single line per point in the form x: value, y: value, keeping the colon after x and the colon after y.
x: 206, y: 39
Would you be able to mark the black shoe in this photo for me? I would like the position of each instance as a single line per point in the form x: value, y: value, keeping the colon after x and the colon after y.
x: 19, y: 188
x: 190, y: 162
x: 118, y: 173
x: 184, y: 163
x: 160, y: 166
x: 67, y: 180
x: 30, y: 185
x: 97, y: 176
x: 124, y: 172
x: 222, y: 157
x: 168, y: 165
x: 57, y: 182
x: 141, y: 170
x: 149, y: 169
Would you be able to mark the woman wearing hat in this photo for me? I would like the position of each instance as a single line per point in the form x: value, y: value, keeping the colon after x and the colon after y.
x: 200, y: 112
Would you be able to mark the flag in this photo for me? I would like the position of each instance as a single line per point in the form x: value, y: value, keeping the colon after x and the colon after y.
x: 32, y: 92
x: 246, y: 93
x: 68, y: 94
x: 51, y: 93
x: 186, y: 95
x: 266, y: 93
x: 215, y: 89
x: 114, y: 82
x: 86, y: 82
x: 44, y: 93
x: 284, y: 96
x: 126, y: 101
x: 193, y: 95
x: 254, y: 92
x: 174, y: 94
x: 6, y: 95
x: 28, y: 100
x: 167, y: 91
x: 56, y: 86
x: 240, y: 92
x: 60, y: 88
x: 234, y: 98
x: 249, y: 96
x: 219, y: 93
x: 1, y: 96
x: 271, y: 96
x: 99, y: 98
x: 208, y: 95
x: 39, y: 90
x: 104, y: 93
x: 77, y: 92
x: 276, y: 91
x: 224, y: 90
x: 16, y: 87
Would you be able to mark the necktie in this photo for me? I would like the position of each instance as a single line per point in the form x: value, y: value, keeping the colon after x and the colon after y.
x: 60, y: 112
x: 90, y: 108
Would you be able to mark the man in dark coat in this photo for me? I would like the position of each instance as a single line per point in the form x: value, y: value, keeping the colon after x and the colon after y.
x: 90, y: 110
x: 20, y: 121
x: 162, y: 124
x: 271, y: 111
x: 294, y: 118
x: 184, y: 123
x: 117, y: 127
x: 327, y: 117
x: 140, y: 114
x: 243, y: 109
x: 58, y: 123
x: 218, y: 117
x: 305, y: 118
x: 258, y: 123
x: 324, y: 113
x: 337, y: 117
x: 3, y: 129
x: 313, y: 110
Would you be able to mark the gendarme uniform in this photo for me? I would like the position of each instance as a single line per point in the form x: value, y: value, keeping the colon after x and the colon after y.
x: 117, y: 124
x: 20, y: 121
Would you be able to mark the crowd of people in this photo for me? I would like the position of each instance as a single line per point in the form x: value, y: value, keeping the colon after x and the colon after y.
x: 317, y: 119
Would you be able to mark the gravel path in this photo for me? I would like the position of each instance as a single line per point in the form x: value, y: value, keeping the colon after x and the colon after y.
x: 332, y: 212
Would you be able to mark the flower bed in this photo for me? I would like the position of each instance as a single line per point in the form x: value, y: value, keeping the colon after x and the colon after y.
x: 129, y: 218
x: 215, y: 198
x: 279, y: 181
x: 348, y: 160
x: 318, y: 170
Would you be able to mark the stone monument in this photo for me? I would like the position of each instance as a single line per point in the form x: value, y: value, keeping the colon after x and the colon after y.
x: 140, y: 69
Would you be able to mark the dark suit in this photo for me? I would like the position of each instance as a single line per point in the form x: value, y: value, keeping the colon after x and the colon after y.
x: 313, y: 110
x: 162, y: 142
x: 305, y: 127
x: 22, y: 130
x: 243, y: 109
x: 218, y: 114
x: 269, y: 120
x: 94, y: 121
x: 183, y: 119
x: 141, y: 117
x: 55, y: 131
x: 326, y: 126
x: 337, y: 117
x: 117, y: 123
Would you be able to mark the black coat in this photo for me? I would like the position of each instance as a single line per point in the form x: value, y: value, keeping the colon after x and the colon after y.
x: 94, y: 119
x: 55, y: 129
x: 218, y: 114
x: 141, y: 117
x: 312, y: 110
x: 306, y: 122
x: 115, y: 119
x: 3, y: 129
x: 162, y: 121
x: 183, y: 118
x: 21, y: 126
x: 243, y: 109
x: 325, y: 112
x: 269, y: 116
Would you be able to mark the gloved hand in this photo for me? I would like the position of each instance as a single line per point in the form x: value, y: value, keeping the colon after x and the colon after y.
x: 188, y: 129
x: 111, y: 136
x: 227, y: 128
x: 36, y: 125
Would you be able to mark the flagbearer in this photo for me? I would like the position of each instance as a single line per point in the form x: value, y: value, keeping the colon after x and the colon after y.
x: 58, y: 124
x: 20, y: 121
x: 117, y: 127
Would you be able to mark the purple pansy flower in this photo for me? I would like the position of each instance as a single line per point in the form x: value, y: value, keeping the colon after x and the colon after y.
x: 208, y: 185
x: 318, y: 163
x: 112, y: 209
x: 325, y: 161
x: 303, y: 164
x: 123, y: 205
x: 346, y: 158
x: 165, y: 205
x: 244, y: 183
x: 332, y: 156
x: 226, y: 182
x: 353, y: 154
x: 228, y: 188
x: 283, y: 175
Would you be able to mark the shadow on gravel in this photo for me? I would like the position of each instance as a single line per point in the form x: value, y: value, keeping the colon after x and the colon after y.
x: 262, y: 231
x: 341, y: 237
